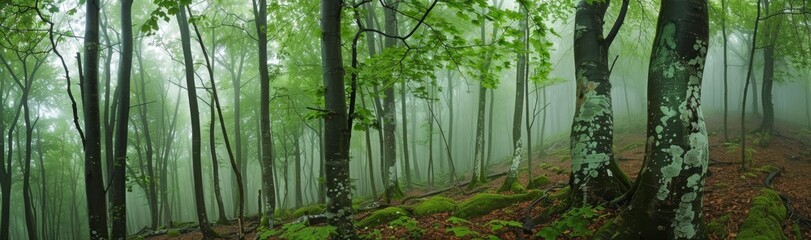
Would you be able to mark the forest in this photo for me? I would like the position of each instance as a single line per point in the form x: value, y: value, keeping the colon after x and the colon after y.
x: 405, y: 119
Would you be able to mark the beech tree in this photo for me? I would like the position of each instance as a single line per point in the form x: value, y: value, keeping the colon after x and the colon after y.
x: 595, y: 176
x: 667, y: 195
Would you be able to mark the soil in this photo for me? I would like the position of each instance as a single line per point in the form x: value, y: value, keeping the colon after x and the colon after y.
x: 728, y: 189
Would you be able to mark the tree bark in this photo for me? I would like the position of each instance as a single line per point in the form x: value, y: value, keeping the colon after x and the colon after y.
x: 390, y: 112
x: 772, y: 32
x: 94, y: 183
x: 118, y: 197
x: 194, y: 115
x: 339, y: 204
x: 406, y: 161
x: 152, y: 194
x: 520, y: 84
x: 215, y: 166
x: 595, y: 178
x: 260, y: 13
x: 667, y: 202
x: 726, y: 85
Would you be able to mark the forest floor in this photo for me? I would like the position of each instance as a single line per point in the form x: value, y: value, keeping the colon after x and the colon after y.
x: 728, y: 190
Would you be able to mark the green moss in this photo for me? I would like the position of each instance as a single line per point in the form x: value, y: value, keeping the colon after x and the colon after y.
x: 484, y: 203
x: 173, y: 233
x: 718, y: 227
x: 515, y: 187
x: 382, y: 216
x: 434, y: 205
x: 308, y: 210
x: 538, y: 182
x: 282, y: 213
x: 765, y: 218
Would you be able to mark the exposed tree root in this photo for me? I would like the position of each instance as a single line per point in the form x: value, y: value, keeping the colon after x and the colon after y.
x: 787, y: 202
x: 529, y: 221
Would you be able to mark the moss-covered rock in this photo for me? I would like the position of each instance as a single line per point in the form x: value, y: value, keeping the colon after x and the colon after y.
x: 765, y: 218
x: 484, y: 203
x: 433, y: 205
x: 538, y: 182
x: 308, y: 210
x: 173, y: 233
x: 382, y: 216
x: 718, y: 227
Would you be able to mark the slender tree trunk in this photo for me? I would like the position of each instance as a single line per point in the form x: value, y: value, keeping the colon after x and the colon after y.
x: 430, y: 121
x: 667, y: 202
x: 489, y: 158
x: 726, y: 85
x: 746, y: 87
x: 30, y: 219
x: 260, y: 13
x: 152, y: 195
x: 520, y: 84
x: 390, y: 112
x: 94, y: 184
x: 369, y: 156
x: 339, y: 206
x: 215, y: 166
x: 415, y: 161
x: 297, y: 149
x: 478, y: 176
x: 772, y: 32
x: 406, y: 161
x: 194, y: 115
x: 118, y: 197
x: 755, y: 95
x: 595, y: 176
x: 109, y: 122
x: 43, y: 185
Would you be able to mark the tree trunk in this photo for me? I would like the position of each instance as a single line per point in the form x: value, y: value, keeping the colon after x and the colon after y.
x: 339, y: 206
x: 260, y: 13
x: 430, y: 171
x: 520, y: 84
x: 118, y: 188
x: 389, y: 113
x: 726, y: 85
x: 94, y: 183
x: 297, y: 150
x: 416, y: 163
x: 43, y: 185
x: 595, y: 178
x: 369, y: 156
x: 489, y: 158
x: 30, y: 219
x: 667, y: 201
x: 194, y: 116
x: 152, y: 195
x: 772, y: 32
x: 406, y: 161
x: 215, y: 166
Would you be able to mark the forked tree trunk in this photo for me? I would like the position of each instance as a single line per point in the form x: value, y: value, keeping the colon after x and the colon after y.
x: 94, y: 184
x: 596, y: 178
x: 194, y: 116
x: 667, y: 201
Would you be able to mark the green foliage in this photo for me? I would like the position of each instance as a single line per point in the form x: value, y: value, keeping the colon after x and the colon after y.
x: 573, y: 224
x: 172, y: 233
x: 437, y: 204
x: 496, y: 225
x: 410, y: 225
x: 300, y: 231
x: 718, y: 227
x: 462, y: 232
x: 765, y: 218
x: 382, y: 216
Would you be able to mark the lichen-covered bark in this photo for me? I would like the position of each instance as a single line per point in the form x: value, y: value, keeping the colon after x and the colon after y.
x: 512, y: 176
x: 478, y: 175
x: 667, y: 202
x: 595, y: 177
x: 392, y: 190
x: 336, y: 142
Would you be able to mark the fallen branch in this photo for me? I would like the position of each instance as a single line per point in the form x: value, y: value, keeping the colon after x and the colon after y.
x: 491, y: 176
x: 530, y: 222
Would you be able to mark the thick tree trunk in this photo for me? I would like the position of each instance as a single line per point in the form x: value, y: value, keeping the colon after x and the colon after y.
x: 194, y: 116
x: 339, y: 204
x: 596, y: 177
x: 772, y: 32
x: 667, y: 202
x: 520, y: 84
x: 118, y: 188
x: 94, y: 183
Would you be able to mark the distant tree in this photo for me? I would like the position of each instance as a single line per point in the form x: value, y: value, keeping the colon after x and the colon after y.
x: 667, y: 196
x: 260, y: 14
